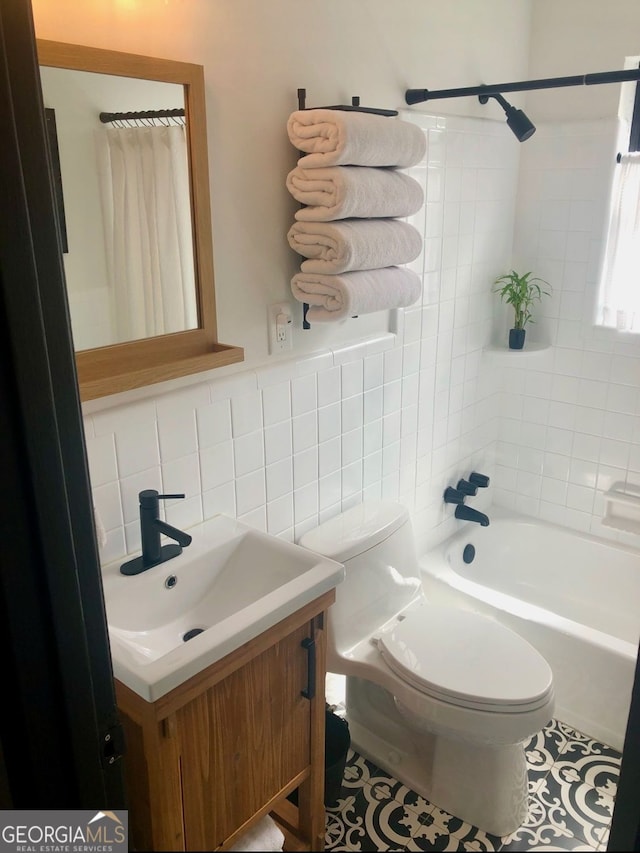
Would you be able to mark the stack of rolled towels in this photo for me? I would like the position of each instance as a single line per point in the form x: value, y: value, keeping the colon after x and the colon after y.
x: 355, y: 196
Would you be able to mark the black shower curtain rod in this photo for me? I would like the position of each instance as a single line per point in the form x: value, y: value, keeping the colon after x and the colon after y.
x: 416, y: 96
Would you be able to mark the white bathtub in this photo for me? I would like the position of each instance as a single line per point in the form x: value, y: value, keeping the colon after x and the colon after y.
x: 575, y: 597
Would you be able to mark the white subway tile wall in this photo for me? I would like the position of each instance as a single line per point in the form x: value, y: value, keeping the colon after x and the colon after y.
x: 406, y: 414
x: 578, y: 403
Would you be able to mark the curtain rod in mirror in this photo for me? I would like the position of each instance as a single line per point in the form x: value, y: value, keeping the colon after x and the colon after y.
x: 123, y: 366
x: 107, y: 118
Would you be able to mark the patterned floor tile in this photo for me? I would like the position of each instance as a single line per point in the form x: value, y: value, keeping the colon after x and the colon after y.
x: 570, y: 732
x: 535, y: 778
x: 364, y: 822
x: 546, y: 745
x: 433, y: 836
x: 471, y: 837
x: 591, y: 762
x: 538, y: 830
x: 572, y: 785
x: 566, y: 842
x: 358, y: 771
x: 605, y: 839
x: 578, y: 808
x: 383, y: 790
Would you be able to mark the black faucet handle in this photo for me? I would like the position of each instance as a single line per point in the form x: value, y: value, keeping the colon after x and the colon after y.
x: 467, y: 488
x: 480, y: 480
x: 453, y: 496
x: 149, y: 498
x: 169, y: 497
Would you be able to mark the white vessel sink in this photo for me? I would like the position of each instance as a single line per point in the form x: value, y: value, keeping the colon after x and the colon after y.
x: 231, y: 584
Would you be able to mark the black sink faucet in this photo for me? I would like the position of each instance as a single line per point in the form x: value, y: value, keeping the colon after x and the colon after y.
x: 151, y: 526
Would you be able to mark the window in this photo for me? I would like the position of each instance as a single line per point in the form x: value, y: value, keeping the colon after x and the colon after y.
x: 619, y: 302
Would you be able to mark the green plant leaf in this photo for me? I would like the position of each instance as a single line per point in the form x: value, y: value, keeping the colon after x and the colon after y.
x: 521, y: 290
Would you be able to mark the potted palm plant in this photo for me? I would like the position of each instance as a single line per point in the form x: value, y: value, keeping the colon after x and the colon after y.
x: 520, y: 290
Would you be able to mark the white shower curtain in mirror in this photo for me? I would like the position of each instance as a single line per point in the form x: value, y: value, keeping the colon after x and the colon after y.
x: 144, y: 180
x: 620, y: 286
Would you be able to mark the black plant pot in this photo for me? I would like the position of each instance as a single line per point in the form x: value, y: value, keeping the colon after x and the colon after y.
x: 516, y: 338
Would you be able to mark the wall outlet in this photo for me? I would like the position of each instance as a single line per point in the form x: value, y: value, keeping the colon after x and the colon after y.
x: 280, y: 327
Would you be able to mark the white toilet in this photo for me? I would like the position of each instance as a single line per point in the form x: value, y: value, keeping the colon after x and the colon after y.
x: 441, y: 698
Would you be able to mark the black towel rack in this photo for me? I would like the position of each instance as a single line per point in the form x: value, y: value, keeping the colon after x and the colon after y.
x: 354, y: 106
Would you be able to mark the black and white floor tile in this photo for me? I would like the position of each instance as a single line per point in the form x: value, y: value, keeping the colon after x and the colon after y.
x: 572, y: 788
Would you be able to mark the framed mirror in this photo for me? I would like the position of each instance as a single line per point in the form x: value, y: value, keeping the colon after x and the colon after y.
x: 128, y: 144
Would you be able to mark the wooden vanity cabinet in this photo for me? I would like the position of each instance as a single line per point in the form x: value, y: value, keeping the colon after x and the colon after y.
x: 210, y: 758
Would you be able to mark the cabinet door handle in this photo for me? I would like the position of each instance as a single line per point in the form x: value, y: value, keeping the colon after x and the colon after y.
x: 310, y: 645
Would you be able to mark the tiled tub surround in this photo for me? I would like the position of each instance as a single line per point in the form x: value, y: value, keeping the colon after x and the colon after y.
x: 569, y: 424
x: 402, y: 416
x: 572, y: 785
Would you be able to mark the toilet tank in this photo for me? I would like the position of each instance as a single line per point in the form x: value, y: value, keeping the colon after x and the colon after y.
x: 374, y: 541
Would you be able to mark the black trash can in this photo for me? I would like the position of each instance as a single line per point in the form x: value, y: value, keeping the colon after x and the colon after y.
x: 336, y: 746
x: 337, y: 741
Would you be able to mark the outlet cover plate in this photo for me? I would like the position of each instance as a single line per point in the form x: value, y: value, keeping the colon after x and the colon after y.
x: 280, y: 327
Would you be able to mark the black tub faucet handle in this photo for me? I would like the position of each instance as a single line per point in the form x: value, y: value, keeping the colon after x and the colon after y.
x: 467, y: 488
x: 480, y: 480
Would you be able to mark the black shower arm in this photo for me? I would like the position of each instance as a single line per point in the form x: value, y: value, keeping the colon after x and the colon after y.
x: 416, y: 96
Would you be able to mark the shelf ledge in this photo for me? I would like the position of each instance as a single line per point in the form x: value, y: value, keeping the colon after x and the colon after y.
x: 532, y: 350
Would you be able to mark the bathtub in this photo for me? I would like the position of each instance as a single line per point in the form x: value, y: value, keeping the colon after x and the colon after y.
x: 575, y: 597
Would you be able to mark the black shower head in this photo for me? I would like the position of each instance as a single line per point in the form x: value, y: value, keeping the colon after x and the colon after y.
x: 518, y: 121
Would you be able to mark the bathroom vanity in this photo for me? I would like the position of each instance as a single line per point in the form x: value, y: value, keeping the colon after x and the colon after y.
x: 208, y: 759
x: 219, y: 660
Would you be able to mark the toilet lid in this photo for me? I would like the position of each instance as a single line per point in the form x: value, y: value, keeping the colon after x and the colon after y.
x: 467, y: 659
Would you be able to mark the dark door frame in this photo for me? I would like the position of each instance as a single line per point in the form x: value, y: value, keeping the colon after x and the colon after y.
x: 625, y: 826
x: 58, y: 694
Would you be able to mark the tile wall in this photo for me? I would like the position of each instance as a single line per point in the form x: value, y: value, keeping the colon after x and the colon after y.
x: 569, y: 422
x: 401, y: 416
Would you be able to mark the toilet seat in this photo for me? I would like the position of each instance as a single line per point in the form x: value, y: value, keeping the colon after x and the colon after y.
x: 466, y: 659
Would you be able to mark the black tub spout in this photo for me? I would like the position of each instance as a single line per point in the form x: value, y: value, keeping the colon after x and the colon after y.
x: 468, y: 513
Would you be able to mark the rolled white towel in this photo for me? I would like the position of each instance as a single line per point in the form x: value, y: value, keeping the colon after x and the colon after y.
x: 345, y: 137
x: 264, y: 835
x: 345, y: 192
x: 354, y: 244
x: 334, y: 297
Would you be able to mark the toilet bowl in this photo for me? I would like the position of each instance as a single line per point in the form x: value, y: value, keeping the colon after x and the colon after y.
x: 442, y: 698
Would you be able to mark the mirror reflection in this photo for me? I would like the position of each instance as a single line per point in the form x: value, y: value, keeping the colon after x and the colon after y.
x: 165, y: 327
x: 124, y: 205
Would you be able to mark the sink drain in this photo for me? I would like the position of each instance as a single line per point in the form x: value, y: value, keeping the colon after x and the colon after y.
x: 192, y: 633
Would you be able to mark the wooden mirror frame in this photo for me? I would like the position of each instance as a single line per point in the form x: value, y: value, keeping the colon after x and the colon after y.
x: 121, y: 367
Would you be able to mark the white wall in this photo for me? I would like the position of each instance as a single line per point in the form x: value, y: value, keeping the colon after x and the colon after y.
x: 255, y: 56
x: 579, y: 37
